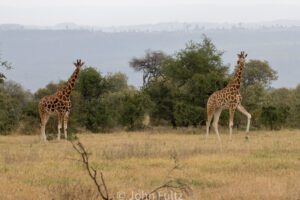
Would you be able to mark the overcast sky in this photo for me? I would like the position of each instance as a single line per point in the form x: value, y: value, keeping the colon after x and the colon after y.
x: 133, y: 12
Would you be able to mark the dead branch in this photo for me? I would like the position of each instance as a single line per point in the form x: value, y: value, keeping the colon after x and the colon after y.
x: 175, y: 185
x: 101, y: 187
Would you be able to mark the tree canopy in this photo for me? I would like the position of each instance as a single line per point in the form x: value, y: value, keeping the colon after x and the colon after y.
x: 150, y: 65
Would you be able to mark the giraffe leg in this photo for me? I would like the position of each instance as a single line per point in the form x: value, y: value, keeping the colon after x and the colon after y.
x: 66, y: 119
x: 231, y: 120
x: 215, y: 124
x: 245, y: 112
x: 44, y: 119
x: 210, y: 114
x: 59, y: 125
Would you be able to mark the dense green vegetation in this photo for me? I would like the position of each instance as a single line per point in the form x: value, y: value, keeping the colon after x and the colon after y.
x: 174, y: 93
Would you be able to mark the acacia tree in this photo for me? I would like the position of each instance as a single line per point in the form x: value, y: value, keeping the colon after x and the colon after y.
x: 276, y: 112
x: 134, y: 107
x: 274, y: 117
x: 257, y: 71
x: 162, y: 95
x: 185, y: 83
x: 150, y: 65
x: 13, y: 100
x: 195, y: 72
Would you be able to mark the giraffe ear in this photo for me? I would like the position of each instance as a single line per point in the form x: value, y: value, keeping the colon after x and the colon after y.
x: 246, y: 55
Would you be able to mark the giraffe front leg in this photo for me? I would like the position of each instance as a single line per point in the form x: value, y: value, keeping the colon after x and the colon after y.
x: 248, y: 115
x: 66, y: 119
x: 59, y: 125
x: 43, y: 134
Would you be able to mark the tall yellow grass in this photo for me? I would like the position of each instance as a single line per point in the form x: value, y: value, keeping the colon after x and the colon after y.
x: 266, y: 167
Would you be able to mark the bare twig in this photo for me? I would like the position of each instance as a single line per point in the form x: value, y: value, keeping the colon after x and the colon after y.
x: 174, y: 157
x: 175, y: 185
x: 101, y: 186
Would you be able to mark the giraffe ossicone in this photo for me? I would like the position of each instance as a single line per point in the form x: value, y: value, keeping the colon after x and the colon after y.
x: 59, y: 104
x: 228, y: 98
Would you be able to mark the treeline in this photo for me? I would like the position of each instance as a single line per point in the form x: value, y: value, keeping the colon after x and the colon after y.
x: 174, y: 93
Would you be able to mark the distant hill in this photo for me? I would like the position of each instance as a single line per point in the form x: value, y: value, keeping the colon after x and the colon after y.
x: 42, y: 55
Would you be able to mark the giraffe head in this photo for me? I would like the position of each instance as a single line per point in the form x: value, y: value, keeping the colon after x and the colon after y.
x: 78, y: 63
x: 241, y: 57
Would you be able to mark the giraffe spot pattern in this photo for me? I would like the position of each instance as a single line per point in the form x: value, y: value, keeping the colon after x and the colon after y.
x: 60, y: 102
x: 229, y: 97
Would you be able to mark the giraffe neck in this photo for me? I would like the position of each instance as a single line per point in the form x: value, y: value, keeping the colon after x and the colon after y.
x: 236, y: 81
x: 67, y: 89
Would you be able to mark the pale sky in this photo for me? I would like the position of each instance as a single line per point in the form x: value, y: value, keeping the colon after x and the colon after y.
x: 133, y: 12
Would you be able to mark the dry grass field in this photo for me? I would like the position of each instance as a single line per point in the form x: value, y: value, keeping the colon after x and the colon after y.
x: 266, y: 167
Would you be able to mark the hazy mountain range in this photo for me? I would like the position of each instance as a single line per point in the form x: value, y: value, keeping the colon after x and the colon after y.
x: 170, y: 26
x: 43, y: 54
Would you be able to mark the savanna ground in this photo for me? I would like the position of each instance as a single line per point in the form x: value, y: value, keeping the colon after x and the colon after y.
x: 266, y: 167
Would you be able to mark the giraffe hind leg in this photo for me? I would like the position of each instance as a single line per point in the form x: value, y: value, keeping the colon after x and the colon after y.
x: 215, y: 124
x: 210, y: 114
x: 59, y: 125
x: 231, y: 121
x: 66, y: 119
x: 248, y: 115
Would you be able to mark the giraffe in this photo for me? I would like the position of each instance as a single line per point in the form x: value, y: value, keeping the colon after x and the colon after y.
x: 58, y: 104
x: 228, y: 98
